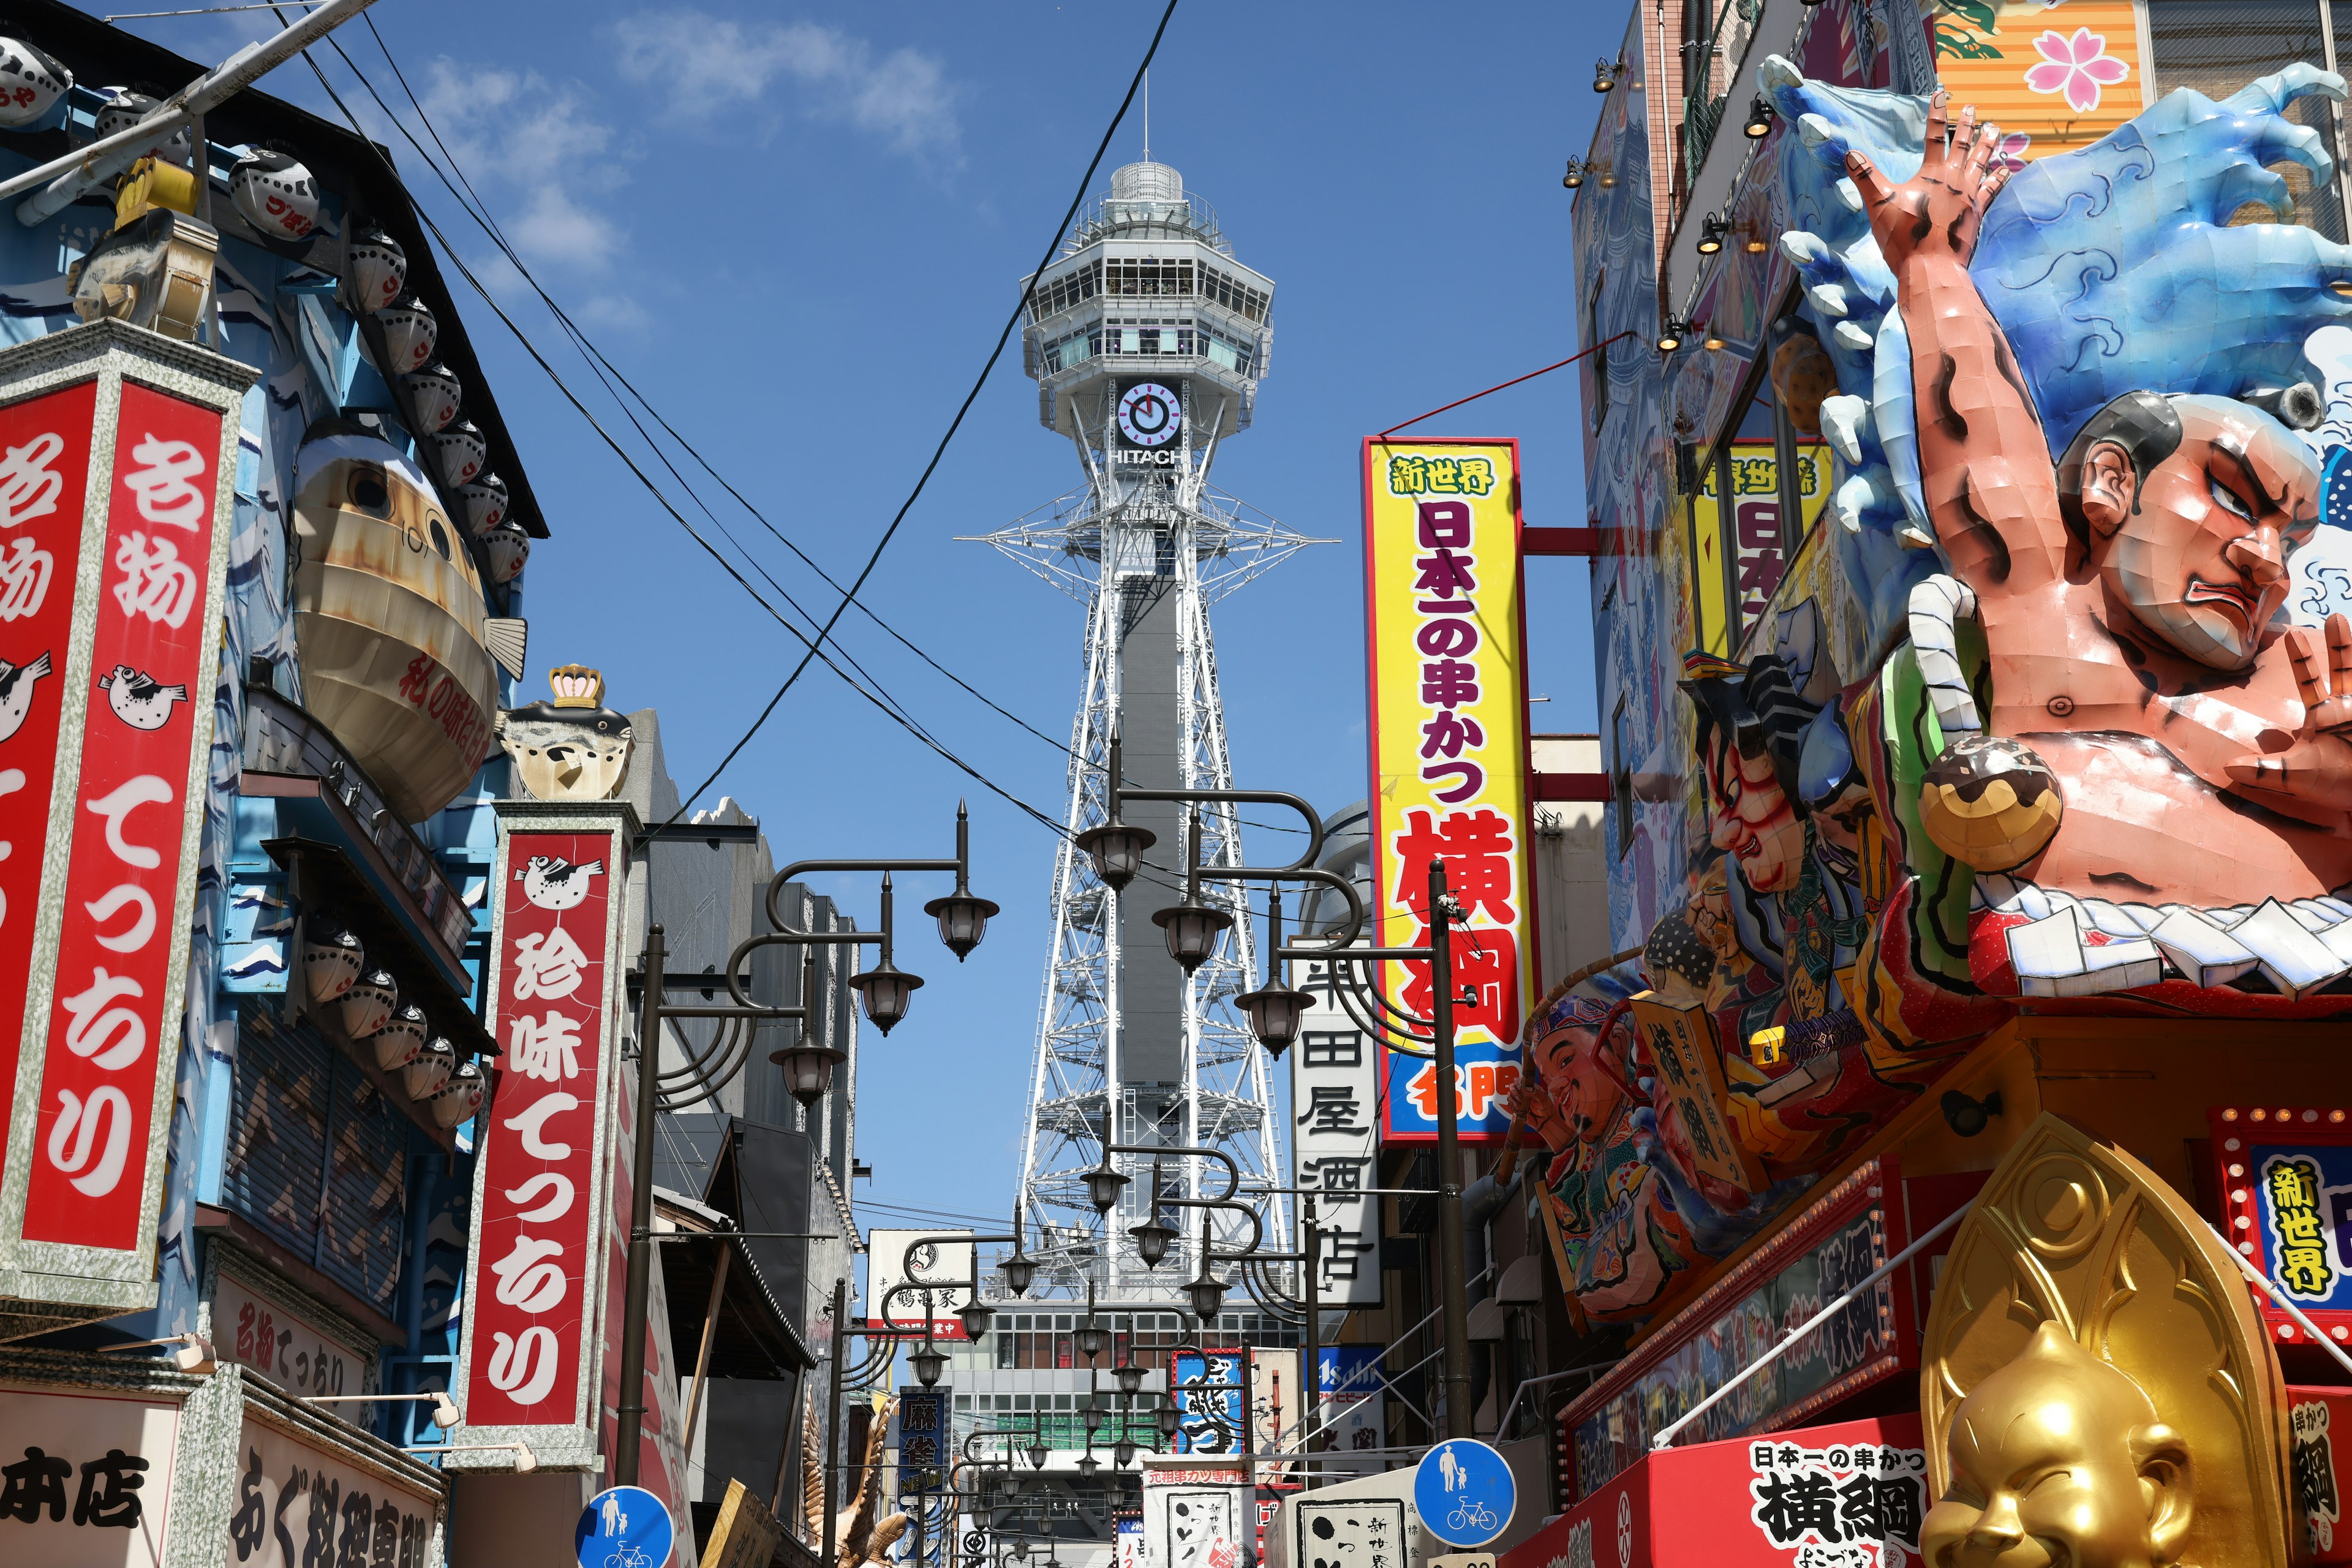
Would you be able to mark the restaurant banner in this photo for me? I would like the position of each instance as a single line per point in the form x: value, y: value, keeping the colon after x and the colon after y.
x: 116, y: 471
x: 1449, y: 761
x: 944, y: 1258
x: 1211, y: 1393
x: 1334, y: 1139
x: 88, y: 1474
x: 1852, y: 1495
x: 2286, y: 1181
x: 530, y: 1362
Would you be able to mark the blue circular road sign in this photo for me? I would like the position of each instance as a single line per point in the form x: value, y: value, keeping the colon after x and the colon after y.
x: 623, y: 1527
x: 1463, y: 1493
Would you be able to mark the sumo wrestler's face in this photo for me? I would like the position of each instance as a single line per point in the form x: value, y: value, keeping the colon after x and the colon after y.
x: 1751, y: 820
x: 2058, y: 1461
x: 2201, y: 559
x: 1583, y: 1090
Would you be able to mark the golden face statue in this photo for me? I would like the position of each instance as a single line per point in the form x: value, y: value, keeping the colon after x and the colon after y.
x: 2059, y: 1461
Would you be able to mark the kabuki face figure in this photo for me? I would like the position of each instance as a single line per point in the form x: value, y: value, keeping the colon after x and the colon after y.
x: 1750, y: 819
x: 2189, y: 508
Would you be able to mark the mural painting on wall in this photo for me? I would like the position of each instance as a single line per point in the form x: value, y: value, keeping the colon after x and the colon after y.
x: 2059, y: 707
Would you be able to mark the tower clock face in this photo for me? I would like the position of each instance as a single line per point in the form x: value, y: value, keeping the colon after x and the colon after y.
x: 1150, y: 415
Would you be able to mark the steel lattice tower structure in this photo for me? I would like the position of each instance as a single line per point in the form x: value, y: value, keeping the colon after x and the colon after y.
x: 1148, y: 341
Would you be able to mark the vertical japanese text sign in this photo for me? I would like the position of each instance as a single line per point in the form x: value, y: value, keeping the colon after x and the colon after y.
x: 1448, y: 731
x: 532, y: 1340
x: 118, y: 463
x: 1334, y: 1100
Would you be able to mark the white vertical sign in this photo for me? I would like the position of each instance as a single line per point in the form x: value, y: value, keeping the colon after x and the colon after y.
x: 1335, y: 1139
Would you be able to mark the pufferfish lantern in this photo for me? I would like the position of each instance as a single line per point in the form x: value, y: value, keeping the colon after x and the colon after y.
x: 462, y: 450
x: 505, y: 549
x: 276, y: 194
x: 486, y: 502
x: 379, y: 270
x: 409, y: 332
x: 1989, y: 803
x: 32, y: 84
x: 436, y: 394
x: 127, y: 107
x: 573, y: 748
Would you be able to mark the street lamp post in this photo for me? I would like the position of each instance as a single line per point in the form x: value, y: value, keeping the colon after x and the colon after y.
x: 885, y: 991
x: 1274, y: 1016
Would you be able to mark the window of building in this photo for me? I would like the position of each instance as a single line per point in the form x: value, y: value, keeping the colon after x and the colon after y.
x: 1147, y: 275
x: 1620, y: 774
x: 2219, y: 45
x: 1073, y: 288
x: 1234, y: 294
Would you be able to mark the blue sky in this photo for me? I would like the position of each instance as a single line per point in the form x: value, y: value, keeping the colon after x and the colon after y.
x: 799, y: 229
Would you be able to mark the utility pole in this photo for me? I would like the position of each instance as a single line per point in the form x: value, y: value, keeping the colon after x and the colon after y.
x: 1452, y: 1292
x: 1312, y: 1407
x: 631, y: 1417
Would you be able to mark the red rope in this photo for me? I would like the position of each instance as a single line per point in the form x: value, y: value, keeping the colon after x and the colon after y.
x: 1513, y: 382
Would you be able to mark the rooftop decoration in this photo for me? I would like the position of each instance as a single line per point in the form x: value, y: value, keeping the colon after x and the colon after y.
x: 572, y: 747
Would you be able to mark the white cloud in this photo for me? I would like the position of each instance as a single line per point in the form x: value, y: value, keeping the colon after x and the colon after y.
x: 703, y: 65
x: 541, y: 161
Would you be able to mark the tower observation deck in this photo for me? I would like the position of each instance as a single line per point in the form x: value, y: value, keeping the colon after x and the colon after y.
x: 1148, y: 341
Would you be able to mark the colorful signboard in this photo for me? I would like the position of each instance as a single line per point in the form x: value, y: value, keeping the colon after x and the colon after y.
x: 2319, y: 1425
x: 293, y: 1499
x: 535, y: 1271
x: 253, y: 1329
x: 117, y: 469
x: 922, y: 1418
x: 1448, y: 731
x: 1351, y: 1411
x: 1820, y: 1255
x: 942, y: 1257
x: 1758, y: 538
x: 1211, y: 1389
x: 1335, y: 1095
x: 2286, y: 1181
x: 2052, y: 80
x: 1853, y: 1494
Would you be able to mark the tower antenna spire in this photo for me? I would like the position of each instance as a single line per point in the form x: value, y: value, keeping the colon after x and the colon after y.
x: 1147, y: 114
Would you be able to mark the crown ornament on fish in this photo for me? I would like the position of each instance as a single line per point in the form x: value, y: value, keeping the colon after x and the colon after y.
x: 577, y: 685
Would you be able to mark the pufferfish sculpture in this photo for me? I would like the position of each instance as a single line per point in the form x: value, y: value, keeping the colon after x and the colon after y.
x: 1989, y: 803
x: 573, y: 748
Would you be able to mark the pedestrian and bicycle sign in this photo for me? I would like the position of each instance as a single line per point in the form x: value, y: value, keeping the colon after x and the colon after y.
x: 623, y: 1527
x: 1464, y: 1493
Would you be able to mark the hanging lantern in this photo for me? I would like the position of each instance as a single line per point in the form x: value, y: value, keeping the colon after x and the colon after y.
x: 332, y: 959
x: 436, y: 394
x: 277, y: 193
x: 409, y: 333
x: 506, y: 548
x: 127, y: 108
x: 485, y: 502
x: 367, y: 1006
x: 378, y: 267
x: 425, y: 1077
x: 32, y: 85
x: 462, y: 451
x: 461, y: 1097
x: 402, y: 1036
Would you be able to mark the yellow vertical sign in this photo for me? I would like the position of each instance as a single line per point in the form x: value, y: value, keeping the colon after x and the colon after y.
x: 1448, y: 736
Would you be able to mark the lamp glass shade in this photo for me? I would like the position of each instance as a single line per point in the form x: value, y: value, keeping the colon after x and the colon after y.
x: 963, y: 921
x: 1130, y: 1379
x: 1191, y: 931
x: 1089, y: 1465
x: 1574, y: 176
x: 808, y: 1069
x: 1169, y: 1419
x: 886, y: 991
x: 1274, y: 1012
x: 976, y: 1316
x: 1117, y: 851
x: 1018, y: 1271
x: 1760, y: 120
x: 1122, y: 1453
x: 1038, y: 1454
x: 1103, y: 1187
x: 1152, y: 1241
x: 1207, y: 1294
x: 1092, y: 1339
x: 928, y: 1363
x: 1602, y: 76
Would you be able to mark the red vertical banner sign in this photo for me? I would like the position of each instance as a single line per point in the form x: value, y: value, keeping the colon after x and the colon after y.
x: 533, y: 1342
x: 117, y: 468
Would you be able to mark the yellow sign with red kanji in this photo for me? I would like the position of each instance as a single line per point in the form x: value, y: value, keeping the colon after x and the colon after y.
x: 1448, y: 736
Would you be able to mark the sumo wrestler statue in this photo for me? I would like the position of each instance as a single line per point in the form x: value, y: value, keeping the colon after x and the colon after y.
x: 2059, y: 1460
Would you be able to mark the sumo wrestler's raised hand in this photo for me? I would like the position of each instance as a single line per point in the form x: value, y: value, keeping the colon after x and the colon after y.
x: 2317, y: 769
x: 1937, y: 211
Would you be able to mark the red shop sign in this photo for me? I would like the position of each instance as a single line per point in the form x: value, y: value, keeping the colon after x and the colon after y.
x: 110, y: 611
x: 535, y: 1276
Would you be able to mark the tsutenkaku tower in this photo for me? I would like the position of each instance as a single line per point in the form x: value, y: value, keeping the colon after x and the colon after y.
x: 1147, y: 340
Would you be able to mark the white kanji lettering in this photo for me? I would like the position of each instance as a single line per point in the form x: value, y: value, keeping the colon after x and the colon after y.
x: 114, y: 1036
x: 549, y: 966
x: 24, y: 579
x: 529, y: 1280
x: 160, y: 482
x: 545, y: 1049
x: 155, y: 581
x: 146, y: 789
x: 27, y: 488
x: 523, y: 1367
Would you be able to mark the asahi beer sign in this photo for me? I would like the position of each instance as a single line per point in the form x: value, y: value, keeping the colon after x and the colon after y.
x: 116, y: 453
x: 535, y: 1280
